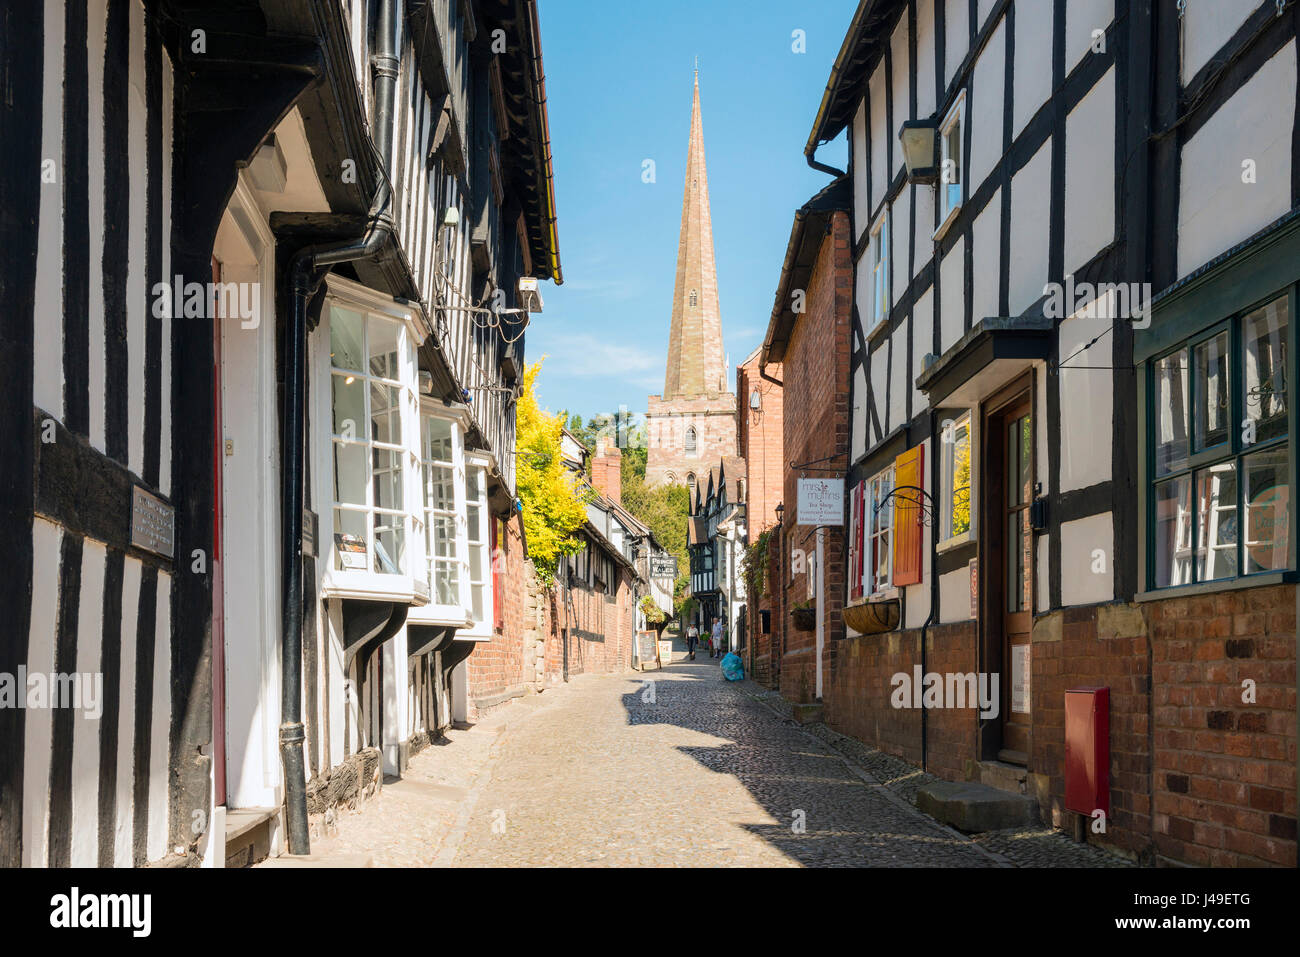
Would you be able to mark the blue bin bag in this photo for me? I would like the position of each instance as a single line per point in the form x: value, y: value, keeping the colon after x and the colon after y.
x: 733, y: 669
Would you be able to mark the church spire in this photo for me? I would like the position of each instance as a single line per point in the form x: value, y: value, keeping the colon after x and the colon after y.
x: 695, y: 358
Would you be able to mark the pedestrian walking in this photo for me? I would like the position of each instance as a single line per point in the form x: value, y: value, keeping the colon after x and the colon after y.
x: 717, y: 638
x: 692, y: 636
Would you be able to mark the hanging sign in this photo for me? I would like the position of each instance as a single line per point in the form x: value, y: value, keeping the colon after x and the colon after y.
x: 821, y: 501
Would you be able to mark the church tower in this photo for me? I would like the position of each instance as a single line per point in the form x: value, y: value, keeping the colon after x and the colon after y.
x: 693, y: 424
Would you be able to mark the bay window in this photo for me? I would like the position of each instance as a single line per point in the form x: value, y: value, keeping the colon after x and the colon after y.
x: 1219, y: 456
x: 393, y: 470
x: 372, y: 390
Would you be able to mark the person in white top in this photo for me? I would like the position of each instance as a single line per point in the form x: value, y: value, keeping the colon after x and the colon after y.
x: 717, y: 638
x: 692, y: 636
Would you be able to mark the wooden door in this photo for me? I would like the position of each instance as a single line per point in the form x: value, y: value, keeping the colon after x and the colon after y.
x: 1008, y: 567
x: 1017, y: 578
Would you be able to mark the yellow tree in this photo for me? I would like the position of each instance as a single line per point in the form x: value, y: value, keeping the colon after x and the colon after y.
x: 554, y: 504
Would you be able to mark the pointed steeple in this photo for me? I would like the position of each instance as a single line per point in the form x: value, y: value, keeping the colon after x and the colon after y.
x: 695, y: 358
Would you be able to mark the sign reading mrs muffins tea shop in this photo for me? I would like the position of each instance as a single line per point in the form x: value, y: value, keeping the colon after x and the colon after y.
x: 152, y: 523
x: 821, y: 501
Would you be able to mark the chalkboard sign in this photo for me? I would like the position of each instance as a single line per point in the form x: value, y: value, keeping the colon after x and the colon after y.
x: 647, y: 650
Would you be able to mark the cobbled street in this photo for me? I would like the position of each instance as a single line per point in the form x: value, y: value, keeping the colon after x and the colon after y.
x: 670, y: 768
x: 681, y: 768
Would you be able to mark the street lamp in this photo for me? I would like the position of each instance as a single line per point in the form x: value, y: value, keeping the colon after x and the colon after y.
x: 919, y: 156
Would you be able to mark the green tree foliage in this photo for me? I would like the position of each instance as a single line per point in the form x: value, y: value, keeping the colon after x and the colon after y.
x: 554, y: 506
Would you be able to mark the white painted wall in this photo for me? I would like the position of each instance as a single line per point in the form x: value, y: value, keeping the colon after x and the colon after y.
x: 924, y: 198
x: 956, y: 32
x: 899, y: 229
x: 1090, y: 174
x: 1030, y: 203
x: 954, y: 596
x: 858, y: 415
x: 952, y: 295
x: 878, y: 366
x: 879, y: 133
x: 85, y: 729
x: 922, y: 344
x: 1216, y: 208
x: 1082, y: 17
x: 1207, y: 27
x: 48, y: 312
x: 1087, y: 404
x: 1080, y: 584
x: 986, y: 263
x: 986, y: 107
x: 902, y: 88
x: 1032, y: 81
x: 861, y: 169
x: 899, y: 383
x: 925, y: 97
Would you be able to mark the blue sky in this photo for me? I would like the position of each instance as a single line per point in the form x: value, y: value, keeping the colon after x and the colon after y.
x: 618, y: 83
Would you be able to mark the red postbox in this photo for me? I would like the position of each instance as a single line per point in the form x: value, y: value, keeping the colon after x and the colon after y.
x: 1087, y: 750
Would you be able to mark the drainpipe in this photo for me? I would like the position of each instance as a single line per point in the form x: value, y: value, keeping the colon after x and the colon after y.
x: 304, y: 281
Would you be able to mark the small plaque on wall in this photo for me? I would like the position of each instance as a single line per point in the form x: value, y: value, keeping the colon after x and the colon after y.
x: 152, y: 523
x: 1020, y: 678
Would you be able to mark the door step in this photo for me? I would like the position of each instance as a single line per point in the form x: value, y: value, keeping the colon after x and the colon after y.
x: 251, y: 835
x: 1005, y: 777
x: 1007, y: 756
x: 972, y: 807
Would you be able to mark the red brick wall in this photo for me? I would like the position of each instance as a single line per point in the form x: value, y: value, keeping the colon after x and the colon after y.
x: 815, y: 427
x: 497, y: 666
x: 1224, y: 780
x: 601, y: 633
x: 860, y: 686
x: 760, y: 443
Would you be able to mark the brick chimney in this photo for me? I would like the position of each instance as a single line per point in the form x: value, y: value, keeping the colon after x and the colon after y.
x: 607, y: 470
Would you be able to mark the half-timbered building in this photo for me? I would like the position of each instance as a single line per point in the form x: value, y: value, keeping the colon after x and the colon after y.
x: 1074, y: 237
x: 271, y: 264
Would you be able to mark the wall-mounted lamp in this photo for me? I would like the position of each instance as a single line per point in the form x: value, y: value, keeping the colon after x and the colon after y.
x: 919, y: 155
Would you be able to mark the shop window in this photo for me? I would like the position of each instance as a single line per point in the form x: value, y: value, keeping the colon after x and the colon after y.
x: 1219, y: 460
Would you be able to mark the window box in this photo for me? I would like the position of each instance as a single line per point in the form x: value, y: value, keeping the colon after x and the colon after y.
x: 873, y: 617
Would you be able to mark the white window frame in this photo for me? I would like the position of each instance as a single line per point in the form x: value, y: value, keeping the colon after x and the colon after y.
x: 481, y: 629
x: 879, y: 264
x: 457, y: 611
x: 947, y: 491
x: 948, y: 208
x: 879, y: 529
x: 407, y: 585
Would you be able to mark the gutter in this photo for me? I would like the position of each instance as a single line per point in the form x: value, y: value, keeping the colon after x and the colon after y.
x: 306, y: 272
x: 544, y: 144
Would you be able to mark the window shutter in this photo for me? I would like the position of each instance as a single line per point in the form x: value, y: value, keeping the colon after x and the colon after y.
x: 908, y: 470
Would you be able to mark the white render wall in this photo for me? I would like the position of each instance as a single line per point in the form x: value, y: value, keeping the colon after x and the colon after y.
x: 1216, y: 209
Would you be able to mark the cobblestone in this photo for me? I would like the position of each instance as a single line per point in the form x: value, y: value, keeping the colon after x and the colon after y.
x: 668, y: 768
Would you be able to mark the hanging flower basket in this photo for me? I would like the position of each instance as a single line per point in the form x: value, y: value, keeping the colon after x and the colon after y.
x: 873, y: 617
x: 803, y: 619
